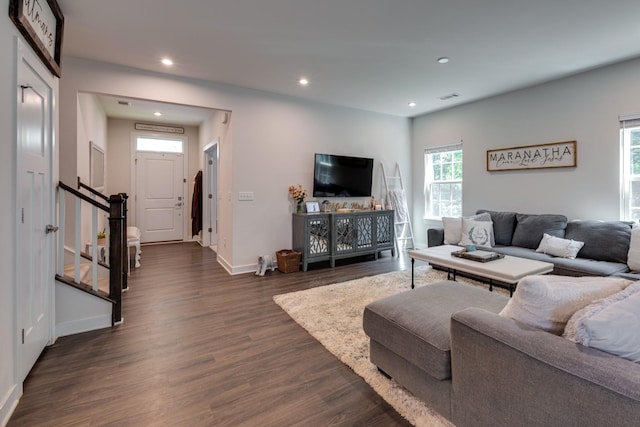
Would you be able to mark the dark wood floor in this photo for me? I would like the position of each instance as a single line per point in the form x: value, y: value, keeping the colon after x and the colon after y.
x: 199, y: 347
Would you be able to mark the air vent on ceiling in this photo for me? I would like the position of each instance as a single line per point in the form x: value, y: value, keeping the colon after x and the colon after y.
x: 450, y: 96
x: 125, y: 103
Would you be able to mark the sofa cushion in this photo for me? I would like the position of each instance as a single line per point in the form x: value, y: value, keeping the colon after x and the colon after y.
x: 556, y: 246
x: 530, y: 228
x: 504, y: 223
x: 603, y: 240
x: 569, y: 267
x: 548, y: 302
x: 415, y: 324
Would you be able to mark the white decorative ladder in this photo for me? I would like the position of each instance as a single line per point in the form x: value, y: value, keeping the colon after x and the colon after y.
x: 396, y: 197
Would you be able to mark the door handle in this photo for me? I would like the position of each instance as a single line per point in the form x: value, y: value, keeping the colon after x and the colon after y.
x: 50, y: 229
x: 179, y: 204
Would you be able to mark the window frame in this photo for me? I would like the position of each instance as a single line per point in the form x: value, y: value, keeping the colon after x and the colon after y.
x: 430, y: 182
x: 628, y: 126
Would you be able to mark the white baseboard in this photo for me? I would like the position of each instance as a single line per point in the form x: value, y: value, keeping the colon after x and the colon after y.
x: 9, y: 403
x: 83, y: 325
x: 240, y: 269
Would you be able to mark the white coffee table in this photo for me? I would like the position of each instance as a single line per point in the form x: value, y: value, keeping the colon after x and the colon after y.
x: 506, y: 271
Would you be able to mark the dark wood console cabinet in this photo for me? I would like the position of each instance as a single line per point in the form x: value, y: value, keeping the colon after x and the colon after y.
x: 332, y: 236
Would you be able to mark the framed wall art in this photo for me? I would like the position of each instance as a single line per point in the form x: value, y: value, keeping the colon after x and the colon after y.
x: 42, y: 24
x: 542, y: 156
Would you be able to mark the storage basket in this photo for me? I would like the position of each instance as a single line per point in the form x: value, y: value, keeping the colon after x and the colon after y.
x: 288, y: 260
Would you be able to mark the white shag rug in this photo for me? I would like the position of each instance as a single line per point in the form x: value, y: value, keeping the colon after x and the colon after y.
x: 332, y: 314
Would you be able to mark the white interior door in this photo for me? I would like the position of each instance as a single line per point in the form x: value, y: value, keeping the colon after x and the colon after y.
x: 34, y: 243
x: 159, y: 196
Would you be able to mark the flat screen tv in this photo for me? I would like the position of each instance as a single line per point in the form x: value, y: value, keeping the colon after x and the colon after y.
x: 342, y: 176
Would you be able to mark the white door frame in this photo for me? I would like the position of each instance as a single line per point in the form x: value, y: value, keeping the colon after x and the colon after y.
x: 210, y: 219
x: 131, y: 203
x: 26, y: 58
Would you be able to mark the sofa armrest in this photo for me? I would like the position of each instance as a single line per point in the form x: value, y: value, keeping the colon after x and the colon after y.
x: 435, y: 237
x: 506, y: 374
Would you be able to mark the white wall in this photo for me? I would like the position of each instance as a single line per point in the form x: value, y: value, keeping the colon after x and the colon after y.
x: 9, y: 388
x: 92, y: 126
x: 584, y: 108
x: 269, y: 145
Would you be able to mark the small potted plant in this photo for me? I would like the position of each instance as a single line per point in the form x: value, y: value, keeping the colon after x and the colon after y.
x: 102, y: 237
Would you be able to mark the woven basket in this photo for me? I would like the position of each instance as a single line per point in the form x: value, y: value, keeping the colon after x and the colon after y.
x: 288, y: 260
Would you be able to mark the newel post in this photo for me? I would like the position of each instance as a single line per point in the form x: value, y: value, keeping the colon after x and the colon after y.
x: 125, y: 244
x: 116, y: 221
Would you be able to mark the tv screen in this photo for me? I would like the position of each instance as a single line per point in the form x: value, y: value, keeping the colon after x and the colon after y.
x: 342, y: 176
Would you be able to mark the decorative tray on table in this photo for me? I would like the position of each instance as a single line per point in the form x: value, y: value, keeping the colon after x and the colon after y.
x: 477, y: 255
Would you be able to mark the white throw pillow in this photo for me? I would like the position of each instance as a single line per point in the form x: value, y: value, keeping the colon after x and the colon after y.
x: 565, y: 248
x: 576, y: 330
x: 548, y: 302
x: 477, y: 233
x: 633, y: 257
x: 452, y: 230
x: 453, y: 227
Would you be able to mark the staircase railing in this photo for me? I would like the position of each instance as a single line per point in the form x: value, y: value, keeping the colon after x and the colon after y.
x: 116, y: 208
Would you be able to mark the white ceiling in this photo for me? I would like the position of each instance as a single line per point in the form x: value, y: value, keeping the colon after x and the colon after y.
x: 375, y: 55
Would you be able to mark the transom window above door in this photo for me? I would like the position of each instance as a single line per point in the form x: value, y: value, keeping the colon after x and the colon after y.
x: 159, y: 145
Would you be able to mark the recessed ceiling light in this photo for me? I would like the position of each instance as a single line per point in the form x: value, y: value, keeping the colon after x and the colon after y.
x: 443, y: 60
x: 167, y: 61
x: 157, y: 113
x: 303, y: 81
x: 412, y: 104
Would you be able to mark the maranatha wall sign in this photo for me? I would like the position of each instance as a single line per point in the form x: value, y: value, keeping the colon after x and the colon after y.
x: 554, y: 155
x: 41, y: 23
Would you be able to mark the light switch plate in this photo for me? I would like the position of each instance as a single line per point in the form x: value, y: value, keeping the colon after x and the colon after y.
x: 245, y: 196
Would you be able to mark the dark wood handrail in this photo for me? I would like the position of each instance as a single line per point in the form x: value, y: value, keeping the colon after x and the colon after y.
x: 82, y: 196
x: 91, y: 190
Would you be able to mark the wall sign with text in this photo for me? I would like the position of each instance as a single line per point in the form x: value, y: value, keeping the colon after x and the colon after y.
x: 542, y: 156
x: 41, y: 23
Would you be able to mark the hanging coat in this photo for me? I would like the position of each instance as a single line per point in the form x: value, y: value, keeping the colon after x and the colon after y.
x: 196, y: 205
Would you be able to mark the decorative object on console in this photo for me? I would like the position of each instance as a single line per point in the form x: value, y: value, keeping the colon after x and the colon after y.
x: 548, y: 302
x: 298, y: 194
x: 312, y: 207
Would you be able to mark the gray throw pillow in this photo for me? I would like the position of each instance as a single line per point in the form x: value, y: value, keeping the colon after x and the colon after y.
x: 531, y: 228
x: 603, y: 240
x: 504, y: 223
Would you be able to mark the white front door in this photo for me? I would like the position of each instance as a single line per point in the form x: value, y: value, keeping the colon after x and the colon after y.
x: 159, y: 196
x: 34, y: 241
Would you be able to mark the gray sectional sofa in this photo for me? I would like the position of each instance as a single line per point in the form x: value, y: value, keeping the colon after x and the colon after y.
x: 606, y: 243
x: 448, y: 346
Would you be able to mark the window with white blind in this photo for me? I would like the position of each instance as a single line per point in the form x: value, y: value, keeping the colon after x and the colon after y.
x: 630, y: 150
x: 443, y: 181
